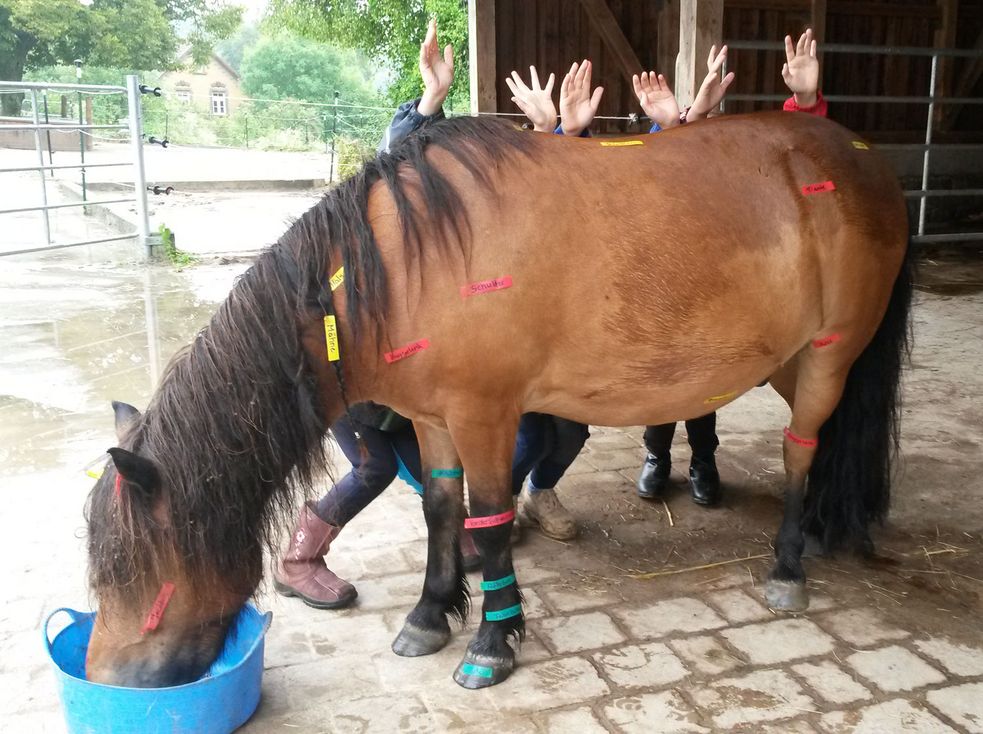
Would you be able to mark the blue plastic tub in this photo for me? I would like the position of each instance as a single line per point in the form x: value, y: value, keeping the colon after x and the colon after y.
x: 220, y: 702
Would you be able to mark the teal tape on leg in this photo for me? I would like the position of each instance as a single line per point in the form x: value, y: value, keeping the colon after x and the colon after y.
x: 447, y: 473
x: 501, y: 614
x: 498, y: 583
x: 479, y: 670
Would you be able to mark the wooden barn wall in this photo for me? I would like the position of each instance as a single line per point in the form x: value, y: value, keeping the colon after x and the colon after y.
x: 552, y: 34
x: 885, y: 23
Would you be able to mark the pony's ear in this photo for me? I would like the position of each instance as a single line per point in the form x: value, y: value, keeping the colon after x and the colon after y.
x: 124, y: 414
x: 136, y: 470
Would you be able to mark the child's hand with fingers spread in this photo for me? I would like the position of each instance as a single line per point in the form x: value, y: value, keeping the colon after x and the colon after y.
x: 714, y: 88
x: 801, y: 69
x: 535, y: 101
x: 577, y: 105
x: 656, y: 98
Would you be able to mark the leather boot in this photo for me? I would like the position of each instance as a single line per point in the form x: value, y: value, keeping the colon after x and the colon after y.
x: 471, y: 559
x: 543, y: 507
x: 302, y: 572
x: 704, y: 481
x: 655, y: 476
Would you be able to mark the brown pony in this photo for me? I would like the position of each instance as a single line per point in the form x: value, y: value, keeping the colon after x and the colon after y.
x: 488, y: 272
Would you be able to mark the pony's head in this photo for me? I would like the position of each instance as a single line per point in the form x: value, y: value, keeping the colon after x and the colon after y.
x: 162, y: 616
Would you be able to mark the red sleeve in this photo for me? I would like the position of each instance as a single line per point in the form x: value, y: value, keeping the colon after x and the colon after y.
x: 819, y: 108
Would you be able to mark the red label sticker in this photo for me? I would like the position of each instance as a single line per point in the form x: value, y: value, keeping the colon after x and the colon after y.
x: 408, y: 351
x: 118, y: 485
x: 484, y: 286
x: 157, y: 610
x: 818, y: 188
x: 825, y: 341
x: 490, y: 521
x: 807, y: 442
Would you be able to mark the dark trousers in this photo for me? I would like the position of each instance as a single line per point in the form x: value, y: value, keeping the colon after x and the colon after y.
x: 701, y: 432
x: 545, y: 447
x: 369, y: 475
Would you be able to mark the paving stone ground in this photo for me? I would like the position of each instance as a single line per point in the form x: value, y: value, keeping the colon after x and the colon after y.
x: 892, y: 646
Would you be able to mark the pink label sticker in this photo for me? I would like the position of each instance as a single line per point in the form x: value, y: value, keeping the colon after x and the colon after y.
x: 484, y: 286
x: 825, y: 341
x: 119, y: 484
x: 408, y: 351
x: 157, y: 610
x: 489, y: 521
x: 818, y: 188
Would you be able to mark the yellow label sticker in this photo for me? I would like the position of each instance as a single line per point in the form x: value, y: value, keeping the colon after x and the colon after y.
x: 94, y: 473
x: 720, y: 398
x: 620, y: 143
x: 860, y: 145
x: 331, y: 338
x: 338, y: 278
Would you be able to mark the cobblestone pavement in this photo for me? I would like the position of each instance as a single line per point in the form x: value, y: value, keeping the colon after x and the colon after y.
x: 892, y: 646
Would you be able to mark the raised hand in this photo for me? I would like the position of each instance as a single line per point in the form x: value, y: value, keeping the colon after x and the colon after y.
x: 714, y: 88
x: 437, y: 72
x: 577, y: 104
x: 534, y: 100
x: 801, y: 69
x: 656, y: 98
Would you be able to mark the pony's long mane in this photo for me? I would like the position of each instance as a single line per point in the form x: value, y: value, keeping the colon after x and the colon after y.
x: 236, y: 426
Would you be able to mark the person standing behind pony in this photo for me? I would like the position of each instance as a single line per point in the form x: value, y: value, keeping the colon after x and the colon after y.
x: 801, y: 74
x: 390, y: 443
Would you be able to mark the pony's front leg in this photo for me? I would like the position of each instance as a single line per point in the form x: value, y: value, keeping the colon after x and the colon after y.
x: 445, y: 588
x: 487, y: 455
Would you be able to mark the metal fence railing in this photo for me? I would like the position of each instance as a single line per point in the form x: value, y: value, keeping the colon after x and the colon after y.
x: 924, y: 193
x: 37, y: 93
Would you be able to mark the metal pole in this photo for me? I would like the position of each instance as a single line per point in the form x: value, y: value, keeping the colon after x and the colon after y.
x: 928, y: 142
x: 334, y: 129
x: 47, y: 121
x: 37, y: 147
x: 136, y: 145
x: 82, y: 146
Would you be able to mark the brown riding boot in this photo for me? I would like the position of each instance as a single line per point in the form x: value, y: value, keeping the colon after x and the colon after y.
x: 302, y: 572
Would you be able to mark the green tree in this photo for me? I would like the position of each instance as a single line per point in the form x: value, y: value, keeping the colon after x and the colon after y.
x: 234, y: 48
x: 389, y: 31
x: 286, y: 67
x: 135, y: 34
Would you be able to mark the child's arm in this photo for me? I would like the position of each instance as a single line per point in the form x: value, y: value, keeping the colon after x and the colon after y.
x: 438, y: 75
x: 801, y: 75
x: 535, y: 101
x: 713, y: 88
x: 656, y: 99
x: 577, y: 104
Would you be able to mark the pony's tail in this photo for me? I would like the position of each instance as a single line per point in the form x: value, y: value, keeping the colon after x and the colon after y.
x: 850, y: 480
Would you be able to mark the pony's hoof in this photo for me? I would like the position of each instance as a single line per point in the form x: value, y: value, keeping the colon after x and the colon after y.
x: 787, y: 596
x: 481, y: 671
x: 413, y: 641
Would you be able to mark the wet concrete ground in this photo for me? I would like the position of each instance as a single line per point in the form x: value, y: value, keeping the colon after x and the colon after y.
x: 885, y: 648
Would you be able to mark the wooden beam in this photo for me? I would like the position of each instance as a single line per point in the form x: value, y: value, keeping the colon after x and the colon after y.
x: 817, y: 12
x: 701, y: 25
x: 945, y: 37
x: 610, y: 32
x: 481, y: 53
x: 964, y: 87
x: 668, y: 40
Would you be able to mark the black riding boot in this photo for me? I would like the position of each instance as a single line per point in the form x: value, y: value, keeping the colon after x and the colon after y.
x: 704, y: 481
x: 654, y: 476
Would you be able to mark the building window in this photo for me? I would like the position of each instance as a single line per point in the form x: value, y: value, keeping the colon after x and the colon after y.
x: 183, y: 93
x: 219, y: 98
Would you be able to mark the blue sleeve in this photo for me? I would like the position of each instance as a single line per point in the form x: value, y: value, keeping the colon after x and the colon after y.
x: 585, y: 133
x: 406, y: 120
x: 656, y: 127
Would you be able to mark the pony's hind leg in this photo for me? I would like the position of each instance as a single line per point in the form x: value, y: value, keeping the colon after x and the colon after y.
x: 818, y: 386
x: 445, y: 590
x: 487, y: 454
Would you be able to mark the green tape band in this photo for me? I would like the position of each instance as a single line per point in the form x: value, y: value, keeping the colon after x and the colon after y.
x: 447, y: 473
x: 479, y: 670
x: 501, y: 614
x: 498, y: 583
